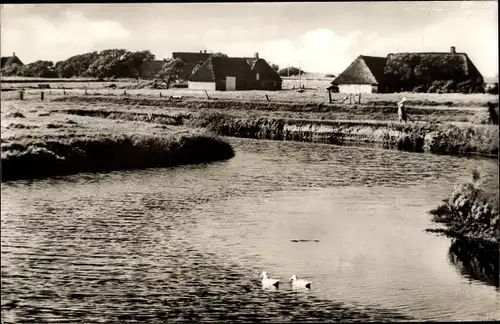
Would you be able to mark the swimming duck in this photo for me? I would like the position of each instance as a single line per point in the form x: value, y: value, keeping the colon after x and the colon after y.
x: 268, y: 282
x: 299, y: 283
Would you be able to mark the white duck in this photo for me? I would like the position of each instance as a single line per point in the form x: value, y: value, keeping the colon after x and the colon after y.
x: 299, y: 283
x: 268, y: 282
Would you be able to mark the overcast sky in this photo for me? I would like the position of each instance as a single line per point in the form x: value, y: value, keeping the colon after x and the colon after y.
x: 325, y: 37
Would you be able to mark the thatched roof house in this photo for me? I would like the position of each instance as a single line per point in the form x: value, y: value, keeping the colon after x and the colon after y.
x: 408, y: 72
x: 440, y: 66
x: 235, y: 73
x: 10, y: 60
x: 365, y: 74
x: 191, y: 60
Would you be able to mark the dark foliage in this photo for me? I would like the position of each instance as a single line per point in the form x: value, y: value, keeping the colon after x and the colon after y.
x: 430, y: 73
x: 290, y: 71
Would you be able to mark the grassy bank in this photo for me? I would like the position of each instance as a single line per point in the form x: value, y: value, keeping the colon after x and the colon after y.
x: 434, y: 138
x: 446, y: 138
x: 37, y: 143
x: 470, y: 212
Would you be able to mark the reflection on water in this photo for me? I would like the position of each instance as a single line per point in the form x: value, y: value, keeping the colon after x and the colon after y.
x: 478, y: 261
x: 148, y: 246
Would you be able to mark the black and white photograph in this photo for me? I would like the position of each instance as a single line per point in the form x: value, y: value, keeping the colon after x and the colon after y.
x: 244, y: 162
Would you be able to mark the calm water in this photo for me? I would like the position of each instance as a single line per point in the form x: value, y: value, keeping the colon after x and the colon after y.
x: 189, y: 242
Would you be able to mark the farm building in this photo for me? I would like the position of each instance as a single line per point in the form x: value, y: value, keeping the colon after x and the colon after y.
x: 10, y: 60
x: 235, y: 73
x: 438, y: 67
x: 364, y: 75
x: 491, y: 83
x: 148, y: 70
x: 410, y: 72
x: 191, y: 61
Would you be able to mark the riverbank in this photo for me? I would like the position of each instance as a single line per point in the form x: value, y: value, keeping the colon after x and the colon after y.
x: 251, y: 120
x: 38, y: 143
x: 470, y: 212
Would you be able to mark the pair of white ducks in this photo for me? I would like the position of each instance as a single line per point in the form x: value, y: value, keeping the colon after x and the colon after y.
x: 294, y: 281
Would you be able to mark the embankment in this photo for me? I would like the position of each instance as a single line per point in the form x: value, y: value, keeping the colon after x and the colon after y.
x: 415, y: 137
x: 106, y: 153
x: 419, y: 137
x: 44, y: 144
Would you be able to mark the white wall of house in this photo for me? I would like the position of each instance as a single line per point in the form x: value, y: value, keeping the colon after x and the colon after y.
x: 357, y: 88
x: 201, y: 85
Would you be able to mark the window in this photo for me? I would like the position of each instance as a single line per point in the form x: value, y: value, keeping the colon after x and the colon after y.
x: 257, y: 76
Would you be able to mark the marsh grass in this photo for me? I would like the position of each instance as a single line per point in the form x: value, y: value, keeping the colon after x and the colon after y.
x: 38, y: 146
x: 470, y: 212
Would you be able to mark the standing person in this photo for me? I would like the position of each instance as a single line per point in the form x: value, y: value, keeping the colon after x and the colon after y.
x: 402, y: 111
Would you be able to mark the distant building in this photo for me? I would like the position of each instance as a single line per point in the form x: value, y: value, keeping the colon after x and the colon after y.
x: 235, y: 73
x: 10, y: 60
x: 149, y: 70
x: 491, y: 83
x: 364, y: 75
x: 191, y: 61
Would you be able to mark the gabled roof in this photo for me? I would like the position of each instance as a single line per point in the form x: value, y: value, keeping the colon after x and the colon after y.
x: 265, y: 71
x: 191, y: 57
x: 363, y: 70
x: 9, y: 60
x: 218, y: 68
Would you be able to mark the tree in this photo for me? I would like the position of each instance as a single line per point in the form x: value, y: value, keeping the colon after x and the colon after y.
x: 170, y: 71
x: 275, y: 67
x: 290, y: 71
x: 218, y: 54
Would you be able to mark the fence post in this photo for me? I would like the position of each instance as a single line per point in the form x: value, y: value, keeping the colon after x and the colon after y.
x: 21, y: 94
x: 329, y: 97
x: 64, y: 90
x: 42, y: 94
x: 125, y: 92
x: 267, y: 98
x: 160, y: 94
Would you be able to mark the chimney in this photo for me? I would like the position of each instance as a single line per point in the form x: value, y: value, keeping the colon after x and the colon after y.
x: 201, y: 51
x: 205, y: 51
x: 453, y: 50
x: 256, y: 55
x: 14, y: 54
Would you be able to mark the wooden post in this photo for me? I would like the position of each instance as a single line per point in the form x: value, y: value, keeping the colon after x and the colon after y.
x: 359, y: 98
x: 206, y: 94
x: 160, y: 94
x: 21, y: 94
x: 329, y: 97
x: 86, y: 91
x: 42, y: 94
x: 64, y: 90
x: 267, y: 98
x: 125, y: 92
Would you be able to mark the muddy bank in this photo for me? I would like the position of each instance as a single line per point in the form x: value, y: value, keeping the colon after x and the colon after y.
x: 418, y: 137
x: 422, y: 137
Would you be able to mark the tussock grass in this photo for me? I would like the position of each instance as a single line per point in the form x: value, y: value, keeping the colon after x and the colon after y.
x: 470, y: 212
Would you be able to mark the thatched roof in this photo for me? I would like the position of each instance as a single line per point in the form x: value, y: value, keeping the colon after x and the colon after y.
x: 10, y: 60
x: 266, y: 72
x: 191, y: 57
x: 217, y: 68
x: 468, y: 67
x: 363, y: 70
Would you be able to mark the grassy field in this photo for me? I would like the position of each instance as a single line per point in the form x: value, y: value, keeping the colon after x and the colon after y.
x: 38, y: 142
